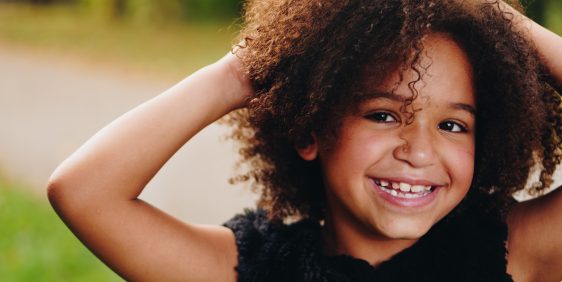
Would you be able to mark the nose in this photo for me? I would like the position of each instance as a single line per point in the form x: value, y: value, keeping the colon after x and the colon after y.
x: 417, y: 146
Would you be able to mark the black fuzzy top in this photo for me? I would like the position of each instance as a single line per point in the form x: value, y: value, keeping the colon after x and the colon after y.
x: 469, y: 246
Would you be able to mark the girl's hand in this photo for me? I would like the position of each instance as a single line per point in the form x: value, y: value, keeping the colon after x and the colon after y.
x: 240, y: 87
x: 547, y: 43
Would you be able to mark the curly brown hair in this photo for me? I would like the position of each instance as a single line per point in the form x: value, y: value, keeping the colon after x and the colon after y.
x: 305, y: 59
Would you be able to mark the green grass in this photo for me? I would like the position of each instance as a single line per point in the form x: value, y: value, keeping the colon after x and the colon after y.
x: 36, y: 246
x: 172, y: 49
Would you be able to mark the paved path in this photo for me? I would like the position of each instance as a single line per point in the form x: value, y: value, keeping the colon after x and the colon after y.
x: 49, y: 106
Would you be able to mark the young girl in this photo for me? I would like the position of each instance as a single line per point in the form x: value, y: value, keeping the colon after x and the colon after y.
x: 392, y: 134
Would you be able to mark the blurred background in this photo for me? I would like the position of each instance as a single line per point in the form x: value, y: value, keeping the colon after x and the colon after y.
x: 69, y: 67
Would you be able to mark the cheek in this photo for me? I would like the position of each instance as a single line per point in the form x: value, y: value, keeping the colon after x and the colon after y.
x: 461, y: 165
x: 357, y: 148
x: 347, y: 163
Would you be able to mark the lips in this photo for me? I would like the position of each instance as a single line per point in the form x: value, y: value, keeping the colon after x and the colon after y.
x: 406, y: 194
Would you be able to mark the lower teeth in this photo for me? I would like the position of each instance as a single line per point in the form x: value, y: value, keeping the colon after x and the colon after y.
x: 404, y: 195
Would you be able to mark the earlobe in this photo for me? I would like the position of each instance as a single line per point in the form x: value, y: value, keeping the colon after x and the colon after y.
x: 310, y: 151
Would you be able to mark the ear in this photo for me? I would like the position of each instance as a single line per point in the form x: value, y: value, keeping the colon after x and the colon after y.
x: 310, y: 151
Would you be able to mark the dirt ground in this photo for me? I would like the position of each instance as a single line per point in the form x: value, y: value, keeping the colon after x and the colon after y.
x: 50, y: 104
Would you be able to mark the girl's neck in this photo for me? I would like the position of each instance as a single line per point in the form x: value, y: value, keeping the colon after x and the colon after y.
x: 342, y: 238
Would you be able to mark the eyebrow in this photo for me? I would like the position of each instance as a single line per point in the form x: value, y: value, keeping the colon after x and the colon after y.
x: 384, y: 94
x: 464, y: 107
x: 399, y: 98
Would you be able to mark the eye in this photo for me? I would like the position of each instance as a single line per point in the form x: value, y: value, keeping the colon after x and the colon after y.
x: 381, y: 117
x: 452, y: 126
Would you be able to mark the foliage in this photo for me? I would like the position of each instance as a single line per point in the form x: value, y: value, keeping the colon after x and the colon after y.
x: 169, y: 51
x: 553, y: 16
x: 36, y: 246
x: 150, y: 11
x: 536, y: 9
x: 212, y: 9
x: 142, y: 11
x: 153, y: 11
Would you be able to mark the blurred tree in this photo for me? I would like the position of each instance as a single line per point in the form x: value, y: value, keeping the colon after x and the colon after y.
x: 212, y: 9
x: 155, y: 11
x: 105, y: 9
x: 41, y: 1
x: 152, y: 11
x: 149, y: 11
x: 536, y: 9
x: 138, y: 11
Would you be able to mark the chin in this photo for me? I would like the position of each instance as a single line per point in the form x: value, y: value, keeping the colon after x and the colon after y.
x: 406, y: 234
x: 405, y: 231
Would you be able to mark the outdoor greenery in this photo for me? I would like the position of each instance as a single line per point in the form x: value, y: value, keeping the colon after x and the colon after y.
x: 189, y: 10
x: 553, y: 16
x: 169, y: 37
x: 36, y: 246
x: 153, y: 10
x: 172, y: 50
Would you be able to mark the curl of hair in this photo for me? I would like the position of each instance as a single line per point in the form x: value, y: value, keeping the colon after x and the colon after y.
x: 304, y: 59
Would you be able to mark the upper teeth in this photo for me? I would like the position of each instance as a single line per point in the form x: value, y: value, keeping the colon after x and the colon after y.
x: 403, y: 186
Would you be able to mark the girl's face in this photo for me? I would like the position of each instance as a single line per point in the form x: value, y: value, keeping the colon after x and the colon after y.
x: 389, y: 179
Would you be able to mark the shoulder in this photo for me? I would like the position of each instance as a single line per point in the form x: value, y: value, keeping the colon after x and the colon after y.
x: 250, y: 230
x: 256, y: 232
x: 269, y: 250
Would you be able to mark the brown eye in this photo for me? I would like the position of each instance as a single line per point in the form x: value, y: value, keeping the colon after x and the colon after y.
x: 382, y: 117
x: 452, y: 126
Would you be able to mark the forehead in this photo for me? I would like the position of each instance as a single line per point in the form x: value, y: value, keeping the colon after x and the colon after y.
x: 442, y: 73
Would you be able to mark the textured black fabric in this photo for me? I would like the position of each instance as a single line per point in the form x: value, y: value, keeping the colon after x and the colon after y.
x: 467, y: 246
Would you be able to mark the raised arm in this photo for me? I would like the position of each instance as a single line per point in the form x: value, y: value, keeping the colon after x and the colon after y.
x: 95, y: 190
x: 548, y: 44
x: 535, y: 227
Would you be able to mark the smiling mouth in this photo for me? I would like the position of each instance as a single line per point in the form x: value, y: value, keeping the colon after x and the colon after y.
x: 404, y: 190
